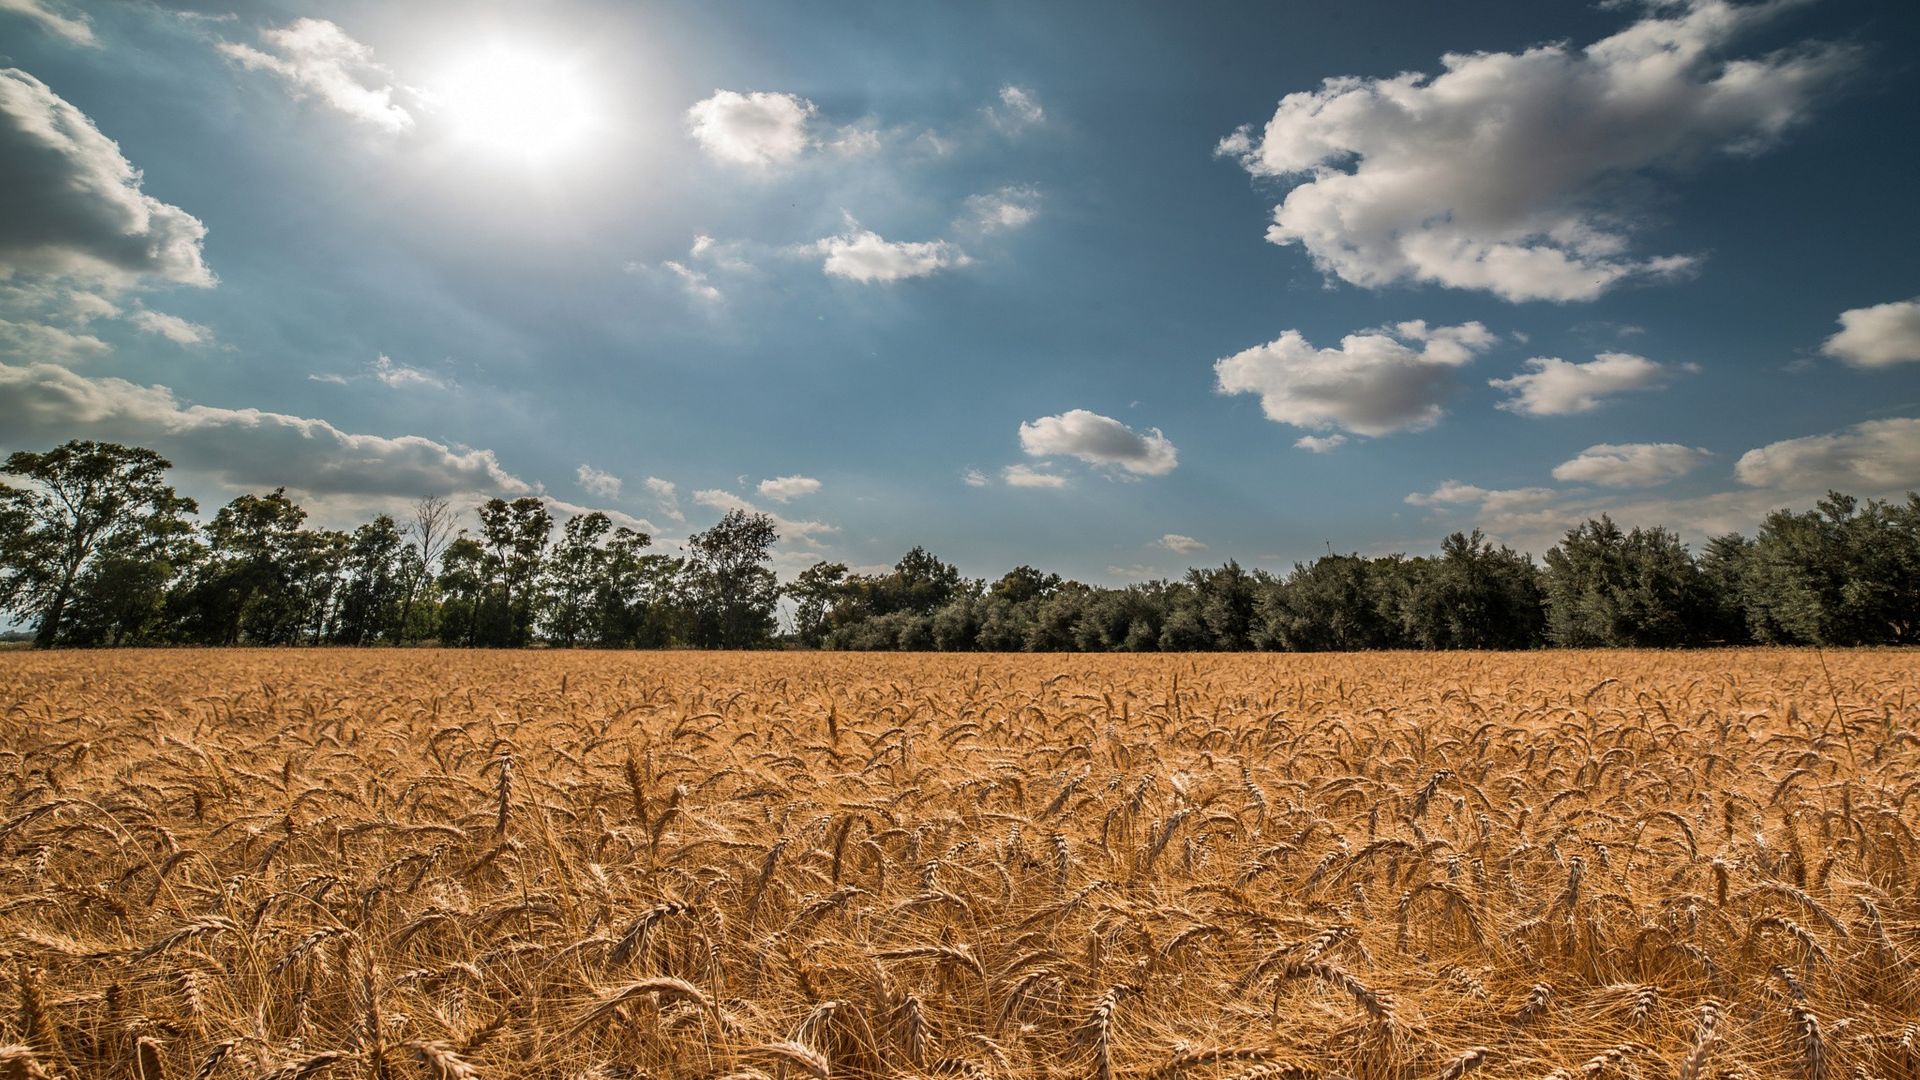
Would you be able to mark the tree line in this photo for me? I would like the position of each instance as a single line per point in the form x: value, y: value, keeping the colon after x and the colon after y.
x: 96, y: 549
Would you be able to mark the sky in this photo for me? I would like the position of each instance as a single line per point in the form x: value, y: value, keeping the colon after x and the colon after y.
x: 1110, y: 289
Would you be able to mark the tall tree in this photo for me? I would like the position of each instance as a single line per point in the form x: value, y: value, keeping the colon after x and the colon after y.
x: 573, y: 571
x: 78, y: 500
x: 1476, y: 596
x: 371, y: 597
x: 515, y: 534
x: 428, y: 534
x: 1623, y: 588
x: 814, y: 593
x: 738, y: 593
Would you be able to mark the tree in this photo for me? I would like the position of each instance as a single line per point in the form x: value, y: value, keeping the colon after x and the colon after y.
x: 573, y: 572
x: 1476, y: 596
x: 736, y: 591
x: 622, y: 594
x: 371, y: 602
x: 1842, y: 574
x: 249, y: 584
x: 80, y: 499
x: 814, y: 593
x: 463, y: 582
x: 1633, y: 589
x: 515, y: 535
x: 1338, y: 602
x: 430, y: 532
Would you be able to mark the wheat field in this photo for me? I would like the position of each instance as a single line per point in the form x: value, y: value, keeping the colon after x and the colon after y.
x: 430, y: 864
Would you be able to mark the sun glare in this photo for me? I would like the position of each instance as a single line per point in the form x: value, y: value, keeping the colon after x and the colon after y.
x: 517, y: 103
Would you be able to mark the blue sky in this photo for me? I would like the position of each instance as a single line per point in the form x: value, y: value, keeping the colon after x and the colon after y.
x: 1110, y: 289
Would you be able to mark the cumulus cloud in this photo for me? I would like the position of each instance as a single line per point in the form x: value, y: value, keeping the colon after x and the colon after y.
x: 1136, y: 571
x: 74, y: 204
x: 1009, y: 208
x: 1499, y: 500
x: 563, y: 510
x: 32, y: 341
x: 1505, y: 172
x: 597, y: 482
x: 1631, y: 464
x: 1374, y: 383
x: 242, y: 447
x: 1878, y: 336
x: 805, y: 532
x: 1874, y: 459
x: 74, y: 28
x: 317, y: 59
x: 172, y: 327
x: 1553, y: 387
x: 1320, y: 444
x: 865, y: 256
x: 1099, y: 440
x: 974, y: 478
x: 1181, y: 545
x: 666, y: 496
x: 787, y: 488
x: 1026, y: 476
x: 758, y: 130
x: 1018, y: 109
x: 1868, y: 458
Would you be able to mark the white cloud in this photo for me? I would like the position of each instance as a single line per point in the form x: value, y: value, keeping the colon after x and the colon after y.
x: 1878, y: 336
x: 399, y: 375
x: 1099, y: 440
x: 855, y: 141
x: 975, y: 478
x: 1454, y: 493
x: 32, y: 341
x: 806, y: 532
x: 73, y: 202
x: 1374, y: 383
x: 1320, y: 444
x: 1011, y: 207
x: 1025, y: 476
x: 759, y: 130
x: 83, y: 307
x: 597, y: 482
x: 1868, y: 458
x: 242, y: 447
x: 316, y: 58
x: 1018, y: 109
x: 1554, y: 387
x: 1135, y: 572
x: 1505, y: 171
x: 787, y: 488
x: 172, y: 327
x: 1181, y: 545
x: 1874, y: 459
x: 865, y: 256
x: 563, y: 510
x: 76, y: 28
x: 1630, y: 464
x: 695, y: 281
x: 666, y: 496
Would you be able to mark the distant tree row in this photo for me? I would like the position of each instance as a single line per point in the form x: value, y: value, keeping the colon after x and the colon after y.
x: 96, y: 549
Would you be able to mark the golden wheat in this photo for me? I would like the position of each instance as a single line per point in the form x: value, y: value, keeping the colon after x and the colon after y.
x: 571, y: 865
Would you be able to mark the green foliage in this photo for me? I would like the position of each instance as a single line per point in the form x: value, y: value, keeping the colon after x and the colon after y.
x: 88, y: 517
x: 96, y: 549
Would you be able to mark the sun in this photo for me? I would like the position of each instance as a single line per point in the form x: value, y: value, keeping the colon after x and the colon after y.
x: 517, y: 103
